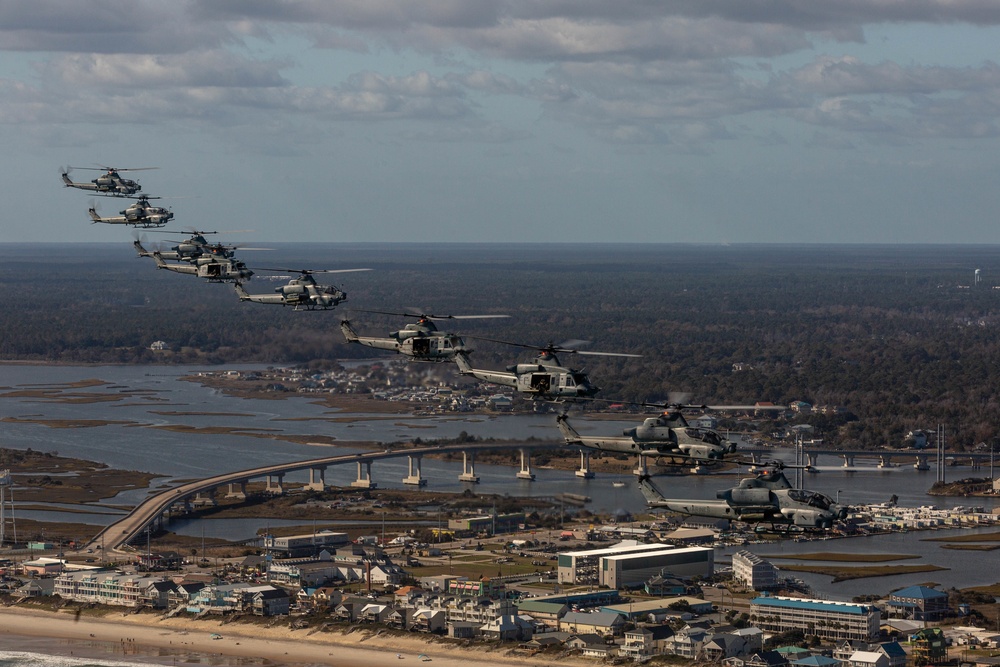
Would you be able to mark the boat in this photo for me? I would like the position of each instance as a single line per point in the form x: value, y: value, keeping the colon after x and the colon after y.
x: 618, y: 485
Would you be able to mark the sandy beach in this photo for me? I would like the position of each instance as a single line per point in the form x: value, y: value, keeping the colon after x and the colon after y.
x: 278, y: 645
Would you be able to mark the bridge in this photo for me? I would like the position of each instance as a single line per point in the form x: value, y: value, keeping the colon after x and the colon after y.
x: 886, y: 458
x: 150, y: 512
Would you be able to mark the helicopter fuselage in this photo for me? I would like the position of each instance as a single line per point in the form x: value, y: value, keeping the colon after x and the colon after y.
x: 768, y: 500
x: 654, y: 438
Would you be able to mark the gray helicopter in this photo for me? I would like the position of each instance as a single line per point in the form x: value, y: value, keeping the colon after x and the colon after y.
x: 191, y: 249
x: 420, y: 340
x: 666, y: 435
x: 546, y: 378
x: 140, y: 214
x: 111, y: 182
x: 212, y: 268
x: 302, y: 293
x: 768, y: 498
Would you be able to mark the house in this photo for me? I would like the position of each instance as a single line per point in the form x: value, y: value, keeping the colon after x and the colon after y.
x: 688, y: 641
x: 646, y: 641
x: 546, y: 613
x: 269, y: 601
x: 759, y: 659
x: 35, y: 588
x: 816, y: 661
x: 868, y: 659
x: 602, y: 623
x: 919, y: 603
x: 509, y: 627
x: 591, y: 646
x: 428, y: 620
x: 462, y: 629
x: 892, y: 650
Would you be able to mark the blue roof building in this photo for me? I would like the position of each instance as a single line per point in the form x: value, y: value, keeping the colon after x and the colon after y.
x: 919, y: 603
x: 822, y: 618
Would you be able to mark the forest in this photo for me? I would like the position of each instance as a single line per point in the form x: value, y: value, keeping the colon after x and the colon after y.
x: 900, y: 336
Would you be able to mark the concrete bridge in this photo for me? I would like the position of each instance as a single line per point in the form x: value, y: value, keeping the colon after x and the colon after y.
x: 150, y: 512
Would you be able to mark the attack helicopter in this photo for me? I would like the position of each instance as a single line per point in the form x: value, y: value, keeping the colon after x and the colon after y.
x: 768, y: 498
x: 666, y: 435
x: 303, y: 293
x: 111, y: 182
x: 546, y: 378
x: 420, y: 340
x: 212, y: 268
x: 190, y: 249
x: 140, y: 214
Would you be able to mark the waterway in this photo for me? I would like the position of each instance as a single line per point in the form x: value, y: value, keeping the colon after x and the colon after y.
x: 149, y: 396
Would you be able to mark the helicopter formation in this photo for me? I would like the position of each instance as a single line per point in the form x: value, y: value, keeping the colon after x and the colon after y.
x: 768, y: 498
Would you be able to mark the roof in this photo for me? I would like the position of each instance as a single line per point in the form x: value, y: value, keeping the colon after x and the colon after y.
x: 600, y: 618
x: 919, y: 593
x: 536, y: 606
x: 816, y: 661
x: 813, y: 605
x: 892, y: 649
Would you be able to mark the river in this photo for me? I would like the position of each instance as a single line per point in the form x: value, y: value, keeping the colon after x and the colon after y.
x: 145, y: 396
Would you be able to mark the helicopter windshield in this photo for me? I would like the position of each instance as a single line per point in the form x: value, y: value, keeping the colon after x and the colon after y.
x: 810, y: 498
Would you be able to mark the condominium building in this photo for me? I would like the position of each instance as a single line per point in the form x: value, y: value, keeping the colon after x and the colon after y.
x: 823, y: 618
x: 754, y: 572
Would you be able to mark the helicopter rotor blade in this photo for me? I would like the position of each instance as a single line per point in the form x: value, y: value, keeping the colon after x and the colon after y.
x: 303, y: 271
x: 551, y: 348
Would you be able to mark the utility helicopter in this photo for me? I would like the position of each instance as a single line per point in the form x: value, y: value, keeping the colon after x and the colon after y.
x: 111, y: 182
x: 140, y: 214
x: 212, y: 268
x: 420, y: 340
x: 303, y: 293
x: 768, y: 498
x: 546, y: 378
x: 666, y: 435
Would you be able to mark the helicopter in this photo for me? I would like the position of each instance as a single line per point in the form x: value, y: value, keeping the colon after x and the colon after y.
x: 546, y: 377
x: 302, y: 292
x: 666, y: 435
x: 140, y: 214
x: 192, y: 248
x: 420, y: 340
x: 110, y: 182
x: 767, y: 498
x: 212, y: 268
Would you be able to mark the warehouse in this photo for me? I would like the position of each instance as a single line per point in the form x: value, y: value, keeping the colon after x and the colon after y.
x: 580, y: 567
x: 631, y: 570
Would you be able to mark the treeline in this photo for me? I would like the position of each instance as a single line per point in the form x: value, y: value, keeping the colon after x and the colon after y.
x: 897, y: 335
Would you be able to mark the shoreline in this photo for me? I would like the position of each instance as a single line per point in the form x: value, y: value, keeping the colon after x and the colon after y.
x: 163, y: 641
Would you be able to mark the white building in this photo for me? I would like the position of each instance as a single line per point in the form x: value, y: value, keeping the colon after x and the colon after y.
x: 626, y: 570
x: 581, y: 567
x: 754, y: 572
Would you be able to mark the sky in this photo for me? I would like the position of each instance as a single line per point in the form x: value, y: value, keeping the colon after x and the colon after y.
x: 691, y: 121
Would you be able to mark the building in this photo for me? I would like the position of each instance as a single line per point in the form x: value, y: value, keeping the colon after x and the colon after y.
x: 605, y: 624
x: 646, y: 641
x: 310, y: 544
x: 754, y: 572
x: 919, y: 603
x: 823, y: 618
x: 581, y: 567
x: 487, y: 524
x: 632, y: 570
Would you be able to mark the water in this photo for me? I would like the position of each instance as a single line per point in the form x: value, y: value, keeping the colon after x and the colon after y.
x: 136, y: 445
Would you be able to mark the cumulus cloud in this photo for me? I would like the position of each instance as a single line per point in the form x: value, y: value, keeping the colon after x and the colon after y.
x: 665, y: 73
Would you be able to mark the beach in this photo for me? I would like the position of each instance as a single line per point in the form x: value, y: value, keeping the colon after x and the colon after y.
x: 155, y: 640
